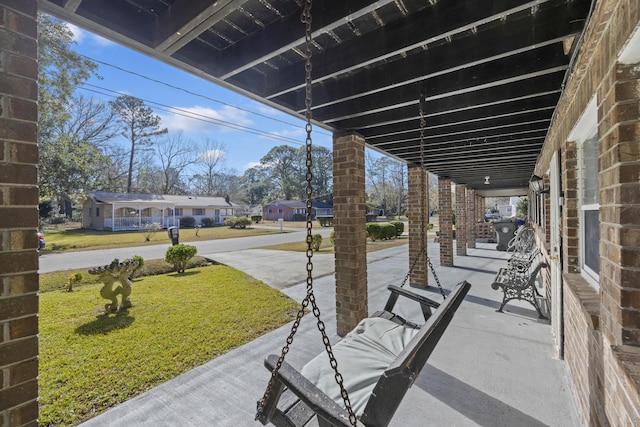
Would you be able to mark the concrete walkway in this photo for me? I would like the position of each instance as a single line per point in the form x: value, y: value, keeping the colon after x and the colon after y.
x: 489, y: 369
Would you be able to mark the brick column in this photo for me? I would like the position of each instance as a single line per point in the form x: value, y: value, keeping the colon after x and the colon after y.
x: 446, y: 223
x: 18, y: 214
x: 349, y: 223
x: 419, y: 274
x: 471, y: 218
x: 619, y: 170
x: 480, y: 208
x: 570, y: 213
x: 461, y: 219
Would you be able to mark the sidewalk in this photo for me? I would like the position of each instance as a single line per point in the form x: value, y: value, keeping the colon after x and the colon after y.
x: 490, y: 369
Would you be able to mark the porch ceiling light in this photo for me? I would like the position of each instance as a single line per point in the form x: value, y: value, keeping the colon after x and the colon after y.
x: 486, y: 180
x: 537, y: 184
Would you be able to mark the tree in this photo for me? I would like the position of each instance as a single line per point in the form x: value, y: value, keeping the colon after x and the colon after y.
x: 175, y: 154
x: 138, y: 124
x: 207, y: 165
x: 67, y: 148
x: 255, y: 182
x: 72, y: 160
x: 321, y: 170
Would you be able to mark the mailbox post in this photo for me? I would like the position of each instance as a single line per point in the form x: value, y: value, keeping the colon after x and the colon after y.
x: 174, y: 235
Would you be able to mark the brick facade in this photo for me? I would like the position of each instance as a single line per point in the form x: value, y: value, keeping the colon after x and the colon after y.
x: 461, y: 220
x: 446, y: 221
x: 472, y: 219
x: 602, y: 324
x: 349, y: 213
x: 418, y: 237
x: 18, y: 214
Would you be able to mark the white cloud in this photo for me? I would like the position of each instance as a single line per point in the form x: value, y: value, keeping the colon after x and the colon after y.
x: 80, y: 36
x: 213, y: 154
x: 203, y: 119
x: 251, y: 165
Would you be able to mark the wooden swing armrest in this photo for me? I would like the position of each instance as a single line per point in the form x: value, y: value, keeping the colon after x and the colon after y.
x: 325, y: 407
x: 411, y: 295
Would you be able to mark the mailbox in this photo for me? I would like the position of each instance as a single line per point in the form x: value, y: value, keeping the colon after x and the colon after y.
x: 174, y: 234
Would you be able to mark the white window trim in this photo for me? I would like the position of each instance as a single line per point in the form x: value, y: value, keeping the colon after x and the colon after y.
x: 585, y: 128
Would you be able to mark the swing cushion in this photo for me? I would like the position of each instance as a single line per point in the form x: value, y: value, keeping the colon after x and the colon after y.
x: 362, y: 355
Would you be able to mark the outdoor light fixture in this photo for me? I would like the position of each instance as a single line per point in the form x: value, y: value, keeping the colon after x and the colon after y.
x: 537, y: 184
x: 486, y: 180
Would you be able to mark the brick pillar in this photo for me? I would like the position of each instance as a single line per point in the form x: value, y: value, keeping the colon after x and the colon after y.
x: 419, y: 274
x: 18, y: 214
x: 349, y: 224
x: 619, y: 172
x: 461, y: 219
x: 570, y: 213
x: 446, y: 221
x: 480, y: 207
x: 471, y: 218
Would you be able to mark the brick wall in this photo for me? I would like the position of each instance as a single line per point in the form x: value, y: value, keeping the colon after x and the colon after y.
x: 461, y: 219
x: 18, y: 214
x: 349, y: 214
x: 418, y: 237
x: 472, y: 219
x: 445, y: 219
x: 602, y: 326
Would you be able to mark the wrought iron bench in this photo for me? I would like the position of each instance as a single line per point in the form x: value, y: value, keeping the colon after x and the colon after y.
x: 518, y: 280
x: 375, y: 379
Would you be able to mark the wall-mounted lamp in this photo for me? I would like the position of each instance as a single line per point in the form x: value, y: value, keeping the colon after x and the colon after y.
x: 536, y: 183
x: 486, y: 180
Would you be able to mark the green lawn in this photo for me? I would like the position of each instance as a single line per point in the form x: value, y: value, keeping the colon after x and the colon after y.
x: 91, y: 361
x: 65, y: 239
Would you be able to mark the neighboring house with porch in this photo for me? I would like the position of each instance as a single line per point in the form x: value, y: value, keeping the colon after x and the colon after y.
x: 294, y: 210
x: 128, y: 211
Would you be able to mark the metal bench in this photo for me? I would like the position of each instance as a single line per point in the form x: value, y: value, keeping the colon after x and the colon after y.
x: 296, y: 399
x: 518, y: 280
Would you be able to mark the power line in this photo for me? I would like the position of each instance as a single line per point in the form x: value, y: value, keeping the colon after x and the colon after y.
x: 124, y: 70
x: 194, y: 116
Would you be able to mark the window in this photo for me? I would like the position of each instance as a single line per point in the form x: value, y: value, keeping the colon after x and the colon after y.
x: 589, y: 206
x: 178, y: 211
x: 97, y: 212
x: 585, y: 134
x: 198, y: 211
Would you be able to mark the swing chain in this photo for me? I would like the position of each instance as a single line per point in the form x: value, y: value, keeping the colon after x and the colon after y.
x: 310, y: 297
x: 423, y: 181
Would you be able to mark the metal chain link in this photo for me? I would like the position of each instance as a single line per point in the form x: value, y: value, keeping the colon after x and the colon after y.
x: 423, y: 208
x: 310, y: 297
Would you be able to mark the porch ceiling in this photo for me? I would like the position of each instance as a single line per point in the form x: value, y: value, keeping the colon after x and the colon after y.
x: 492, y: 72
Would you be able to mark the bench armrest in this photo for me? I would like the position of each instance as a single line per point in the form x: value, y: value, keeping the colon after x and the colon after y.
x: 312, y: 396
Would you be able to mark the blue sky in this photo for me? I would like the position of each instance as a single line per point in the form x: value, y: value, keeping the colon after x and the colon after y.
x: 212, y: 115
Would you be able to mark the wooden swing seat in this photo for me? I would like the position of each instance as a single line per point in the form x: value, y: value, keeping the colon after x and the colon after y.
x: 379, y: 360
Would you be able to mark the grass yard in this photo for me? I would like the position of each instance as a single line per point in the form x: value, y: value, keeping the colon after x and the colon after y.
x: 91, y: 361
x: 327, y: 248
x: 67, y: 239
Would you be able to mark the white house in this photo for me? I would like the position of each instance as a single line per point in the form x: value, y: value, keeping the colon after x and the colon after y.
x: 127, y: 211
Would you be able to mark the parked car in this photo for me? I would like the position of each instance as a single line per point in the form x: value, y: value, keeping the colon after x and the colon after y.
x: 41, y: 242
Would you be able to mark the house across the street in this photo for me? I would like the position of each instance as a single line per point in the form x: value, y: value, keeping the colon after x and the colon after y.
x: 294, y: 210
x: 128, y: 211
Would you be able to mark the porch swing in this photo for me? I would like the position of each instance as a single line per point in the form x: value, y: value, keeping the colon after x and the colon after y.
x: 382, y: 356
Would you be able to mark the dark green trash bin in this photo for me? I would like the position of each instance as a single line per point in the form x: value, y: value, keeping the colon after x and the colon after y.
x: 505, y: 231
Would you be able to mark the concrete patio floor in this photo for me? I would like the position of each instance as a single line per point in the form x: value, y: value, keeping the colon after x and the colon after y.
x: 489, y: 369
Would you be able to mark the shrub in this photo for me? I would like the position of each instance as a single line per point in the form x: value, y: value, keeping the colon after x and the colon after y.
x: 187, y: 221
x: 238, y: 222
x: 58, y: 219
x: 373, y: 231
x: 299, y: 217
x: 399, y: 227
x: 73, y: 279
x: 179, y: 255
x: 256, y: 218
x: 387, y: 231
x: 332, y: 237
x: 139, y: 267
x: 325, y: 221
x: 207, y: 222
x: 316, y: 241
x: 150, y: 229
